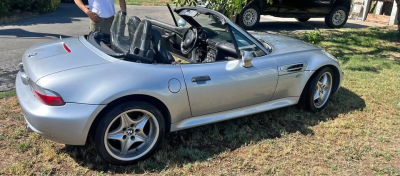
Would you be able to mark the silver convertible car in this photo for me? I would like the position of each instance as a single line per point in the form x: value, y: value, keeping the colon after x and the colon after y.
x: 126, y: 90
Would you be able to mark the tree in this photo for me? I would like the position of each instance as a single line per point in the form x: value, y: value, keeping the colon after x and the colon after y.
x: 398, y: 15
x: 228, y: 7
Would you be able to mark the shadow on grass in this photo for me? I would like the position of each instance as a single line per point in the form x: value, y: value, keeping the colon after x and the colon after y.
x: 206, y: 142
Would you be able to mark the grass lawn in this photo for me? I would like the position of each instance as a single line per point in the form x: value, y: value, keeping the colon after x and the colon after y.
x: 357, y: 134
x: 146, y: 2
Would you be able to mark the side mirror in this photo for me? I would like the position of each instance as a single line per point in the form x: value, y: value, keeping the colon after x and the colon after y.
x: 181, y: 22
x: 246, y: 59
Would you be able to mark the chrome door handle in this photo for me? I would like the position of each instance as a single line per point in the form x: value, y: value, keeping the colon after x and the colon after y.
x: 201, y: 78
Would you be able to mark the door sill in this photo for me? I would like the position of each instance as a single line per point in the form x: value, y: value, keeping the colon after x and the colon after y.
x: 234, y: 113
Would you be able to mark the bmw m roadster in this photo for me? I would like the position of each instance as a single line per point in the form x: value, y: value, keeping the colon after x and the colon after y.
x: 127, y: 89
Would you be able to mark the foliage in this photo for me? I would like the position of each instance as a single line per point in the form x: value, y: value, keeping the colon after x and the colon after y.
x: 41, y: 6
x: 4, y: 7
x: 313, y: 37
x: 45, y: 6
x: 21, y: 4
x: 227, y: 7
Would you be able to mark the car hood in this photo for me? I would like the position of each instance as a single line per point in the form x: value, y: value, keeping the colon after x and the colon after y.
x: 51, y: 57
x: 283, y: 44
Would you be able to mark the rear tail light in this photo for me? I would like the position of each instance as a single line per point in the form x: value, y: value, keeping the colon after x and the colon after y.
x: 46, y: 96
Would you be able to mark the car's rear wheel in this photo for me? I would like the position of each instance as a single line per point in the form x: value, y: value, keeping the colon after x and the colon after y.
x: 302, y: 19
x: 318, y: 90
x: 129, y: 132
x: 249, y: 17
x: 337, y: 18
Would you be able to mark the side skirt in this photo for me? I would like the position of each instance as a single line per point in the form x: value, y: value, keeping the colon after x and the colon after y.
x: 234, y: 113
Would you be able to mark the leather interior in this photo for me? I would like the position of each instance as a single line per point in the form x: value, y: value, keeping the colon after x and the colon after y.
x: 162, y: 54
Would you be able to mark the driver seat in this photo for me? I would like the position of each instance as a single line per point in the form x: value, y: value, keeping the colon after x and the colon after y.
x: 162, y: 54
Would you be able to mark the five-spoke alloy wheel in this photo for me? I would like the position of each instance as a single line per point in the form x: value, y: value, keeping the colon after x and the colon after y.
x: 129, y: 132
x: 318, y: 90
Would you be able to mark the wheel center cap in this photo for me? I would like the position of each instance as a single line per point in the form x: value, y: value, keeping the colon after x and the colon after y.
x: 129, y: 132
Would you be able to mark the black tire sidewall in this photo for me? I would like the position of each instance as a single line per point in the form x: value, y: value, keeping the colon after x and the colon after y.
x: 308, y: 99
x: 328, y: 18
x: 109, y: 117
x: 241, y: 17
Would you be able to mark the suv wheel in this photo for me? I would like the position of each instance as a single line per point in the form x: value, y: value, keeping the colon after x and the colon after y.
x: 249, y: 17
x: 302, y: 19
x: 337, y: 17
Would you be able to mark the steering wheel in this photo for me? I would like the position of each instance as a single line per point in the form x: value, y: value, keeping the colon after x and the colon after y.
x: 189, y: 40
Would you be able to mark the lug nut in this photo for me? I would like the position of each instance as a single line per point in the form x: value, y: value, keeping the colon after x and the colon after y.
x: 124, y: 137
x: 137, y: 130
x: 132, y: 137
x: 132, y: 125
x: 123, y: 129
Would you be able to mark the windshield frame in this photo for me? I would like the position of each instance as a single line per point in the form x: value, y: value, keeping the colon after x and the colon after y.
x: 187, y: 13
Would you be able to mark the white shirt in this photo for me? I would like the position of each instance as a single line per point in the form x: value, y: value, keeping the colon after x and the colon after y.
x: 103, y: 8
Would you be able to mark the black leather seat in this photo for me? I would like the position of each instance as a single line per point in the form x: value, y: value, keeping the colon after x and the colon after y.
x: 162, y: 55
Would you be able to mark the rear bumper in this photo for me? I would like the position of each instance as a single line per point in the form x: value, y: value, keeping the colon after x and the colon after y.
x: 68, y: 124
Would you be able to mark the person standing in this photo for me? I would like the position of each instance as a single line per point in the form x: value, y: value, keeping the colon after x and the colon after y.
x: 101, y: 13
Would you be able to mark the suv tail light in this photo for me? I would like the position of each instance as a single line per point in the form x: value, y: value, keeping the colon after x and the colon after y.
x: 46, y: 96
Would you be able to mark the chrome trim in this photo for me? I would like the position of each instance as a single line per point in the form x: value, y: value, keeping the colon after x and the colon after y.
x: 234, y: 113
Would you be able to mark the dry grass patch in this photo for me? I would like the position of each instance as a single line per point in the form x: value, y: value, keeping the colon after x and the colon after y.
x: 356, y: 134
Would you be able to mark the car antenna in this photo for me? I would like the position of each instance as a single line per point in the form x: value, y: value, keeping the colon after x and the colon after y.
x: 60, y: 37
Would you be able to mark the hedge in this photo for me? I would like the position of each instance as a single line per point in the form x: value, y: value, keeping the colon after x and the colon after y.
x: 41, y: 6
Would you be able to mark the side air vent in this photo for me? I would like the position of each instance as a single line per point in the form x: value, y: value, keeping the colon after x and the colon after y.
x: 295, y: 68
x: 292, y: 68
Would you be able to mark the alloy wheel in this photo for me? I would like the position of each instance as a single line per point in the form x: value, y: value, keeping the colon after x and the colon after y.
x: 322, y: 90
x: 339, y: 17
x: 131, y: 134
x: 250, y: 17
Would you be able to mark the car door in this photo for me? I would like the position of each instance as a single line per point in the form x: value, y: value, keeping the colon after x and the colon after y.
x: 225, y: 85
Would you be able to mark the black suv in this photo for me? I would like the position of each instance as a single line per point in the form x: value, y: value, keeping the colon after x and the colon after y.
x: 334, y: 11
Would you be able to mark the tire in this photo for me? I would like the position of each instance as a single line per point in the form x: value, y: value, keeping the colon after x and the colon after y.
x: 302, y: 19
x: 249, y: 17
x: 308, y: 100
x: 140, y: 137
x: 337, y: 17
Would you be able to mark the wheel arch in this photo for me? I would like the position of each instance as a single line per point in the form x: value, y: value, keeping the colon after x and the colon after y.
x: 336, y: 82
x: 345, y: 3
x: 134, y: 97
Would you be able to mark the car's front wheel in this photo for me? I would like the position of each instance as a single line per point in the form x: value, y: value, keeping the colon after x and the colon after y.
x: 337, y: 18
x: 318, y: 90
x: 249, y: 17
x: 129, y: 132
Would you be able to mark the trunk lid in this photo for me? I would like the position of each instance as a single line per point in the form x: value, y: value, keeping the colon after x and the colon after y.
x: 51, y: 57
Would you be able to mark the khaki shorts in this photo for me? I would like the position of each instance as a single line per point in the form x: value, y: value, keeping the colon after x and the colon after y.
x: 103, y: 25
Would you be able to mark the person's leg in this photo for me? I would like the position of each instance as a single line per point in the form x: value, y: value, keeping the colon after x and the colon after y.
x: 96, y: 26
x: 106, y: 26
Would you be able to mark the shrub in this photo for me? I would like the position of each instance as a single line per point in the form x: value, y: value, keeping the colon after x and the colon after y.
x: 45, y: 6
x: 4, y: 7
x: 314, y: 36
x: 21, y: 4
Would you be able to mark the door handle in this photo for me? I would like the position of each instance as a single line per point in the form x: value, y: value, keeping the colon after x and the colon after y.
x: 201, y: 78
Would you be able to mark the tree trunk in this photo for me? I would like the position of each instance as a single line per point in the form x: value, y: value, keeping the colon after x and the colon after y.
x: 398, y: 15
